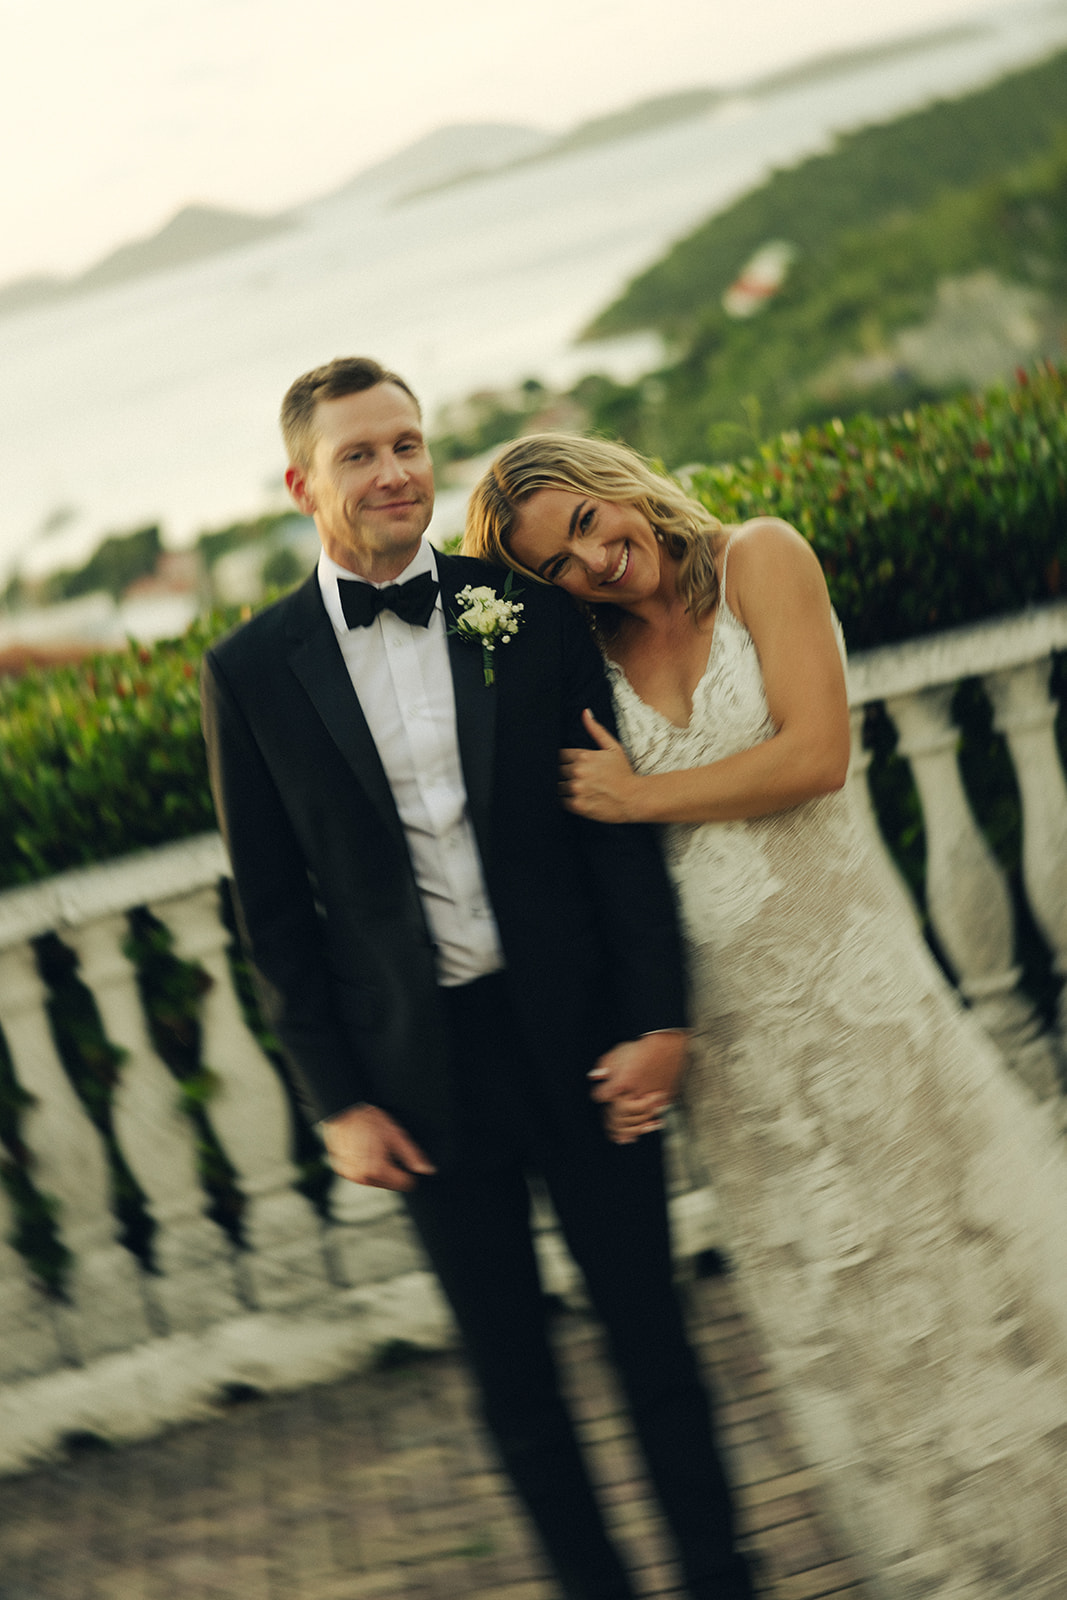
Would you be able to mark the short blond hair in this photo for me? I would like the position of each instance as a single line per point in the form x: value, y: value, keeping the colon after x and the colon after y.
x: 343, y: 376
x: 607, y: 471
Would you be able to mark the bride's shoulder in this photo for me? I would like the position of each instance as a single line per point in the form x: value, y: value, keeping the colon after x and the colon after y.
x: 767, y: 557
x: 764, y: 542
x: 762, y: 532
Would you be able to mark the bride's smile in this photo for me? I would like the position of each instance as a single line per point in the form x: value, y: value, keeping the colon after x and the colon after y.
x: 621, y: 568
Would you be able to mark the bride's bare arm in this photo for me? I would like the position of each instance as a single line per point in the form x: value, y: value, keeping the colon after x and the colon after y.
x: 777, y: 589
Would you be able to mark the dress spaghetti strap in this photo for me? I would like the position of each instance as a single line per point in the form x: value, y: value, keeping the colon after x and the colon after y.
x: 722, y: 579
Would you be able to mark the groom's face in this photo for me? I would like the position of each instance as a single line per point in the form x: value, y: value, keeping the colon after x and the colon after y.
x: 369, y: 483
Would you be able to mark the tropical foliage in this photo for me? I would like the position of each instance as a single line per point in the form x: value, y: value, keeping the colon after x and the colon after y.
x: 117, y: 562
x: 101, y: 758
x: 927, y: 520
x: 888, y: 170
x: 879, y: 224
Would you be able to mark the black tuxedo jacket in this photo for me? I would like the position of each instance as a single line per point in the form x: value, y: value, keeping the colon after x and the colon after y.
x: 326, y: 894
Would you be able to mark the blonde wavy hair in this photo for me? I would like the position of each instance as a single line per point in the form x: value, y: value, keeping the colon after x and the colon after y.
x: 607, y: 471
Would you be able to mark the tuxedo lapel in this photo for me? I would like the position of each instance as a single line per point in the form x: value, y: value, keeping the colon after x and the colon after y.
x: 316, y: 660
x: 476, y: 704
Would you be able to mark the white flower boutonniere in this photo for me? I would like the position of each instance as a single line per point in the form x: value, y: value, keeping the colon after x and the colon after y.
x: 489, y: 619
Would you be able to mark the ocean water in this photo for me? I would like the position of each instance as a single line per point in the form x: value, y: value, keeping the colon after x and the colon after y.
x: 156, y: 401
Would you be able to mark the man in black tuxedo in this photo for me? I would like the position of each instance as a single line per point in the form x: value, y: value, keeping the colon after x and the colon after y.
x: 445, y: 952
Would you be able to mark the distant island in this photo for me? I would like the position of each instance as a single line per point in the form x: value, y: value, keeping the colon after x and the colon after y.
x: 193, y: 234
x: 662, y: 111
x: 449, y: 156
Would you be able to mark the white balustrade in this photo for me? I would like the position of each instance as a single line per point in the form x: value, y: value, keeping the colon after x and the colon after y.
x: 195, y: 1285
x: 369, y: 1238
x: 967, y: 896
x: 29, y: 1341
x: 285, y: 1263
x: 106, y: 1308
x: 858, y: 768
x: 1026, y: 715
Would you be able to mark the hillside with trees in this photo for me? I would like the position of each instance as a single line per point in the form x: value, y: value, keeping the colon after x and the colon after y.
x: 929, y: 257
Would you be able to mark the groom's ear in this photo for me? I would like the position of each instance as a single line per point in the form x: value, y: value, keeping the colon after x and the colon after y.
x: 296, y: 481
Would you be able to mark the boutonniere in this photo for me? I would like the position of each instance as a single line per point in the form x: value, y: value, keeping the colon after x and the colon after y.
x: 488, y: 619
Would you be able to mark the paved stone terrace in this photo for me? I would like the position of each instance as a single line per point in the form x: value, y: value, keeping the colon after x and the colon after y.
x: 380, y: 1487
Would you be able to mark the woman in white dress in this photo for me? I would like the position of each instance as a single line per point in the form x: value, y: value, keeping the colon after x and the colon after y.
x: 897, y: 1206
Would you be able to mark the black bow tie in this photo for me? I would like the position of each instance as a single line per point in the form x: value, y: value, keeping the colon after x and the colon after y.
x: 412, y: 601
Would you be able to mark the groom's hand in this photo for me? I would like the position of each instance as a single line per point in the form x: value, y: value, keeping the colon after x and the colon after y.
x: 636, y: 1082
x: 365, y: 1145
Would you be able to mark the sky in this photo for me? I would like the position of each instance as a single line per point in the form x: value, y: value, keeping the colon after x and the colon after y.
x: 115, y: 113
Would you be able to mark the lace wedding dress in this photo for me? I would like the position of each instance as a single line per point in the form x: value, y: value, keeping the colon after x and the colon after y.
x: 896, y: 1205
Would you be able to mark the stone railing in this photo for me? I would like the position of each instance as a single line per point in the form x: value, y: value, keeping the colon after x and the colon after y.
x: 967, y: 897
x: 310, y: 1292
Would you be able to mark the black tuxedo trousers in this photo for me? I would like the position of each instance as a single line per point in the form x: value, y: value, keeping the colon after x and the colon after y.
x: 491, y: 1079
x: 610, y: 1202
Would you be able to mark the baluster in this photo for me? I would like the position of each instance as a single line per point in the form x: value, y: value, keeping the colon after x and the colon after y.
x: 285, y: 1264
x: 196, y: 1284
x: 29, y: 1343
x: 369, y: 1237
x: 558, y: 1270
x: 106, y: 1309
x: 1025, y: 713
x: 966, y: 893
x: 867, y: 818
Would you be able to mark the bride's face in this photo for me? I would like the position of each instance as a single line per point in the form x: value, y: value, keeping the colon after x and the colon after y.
x: 597, y: 550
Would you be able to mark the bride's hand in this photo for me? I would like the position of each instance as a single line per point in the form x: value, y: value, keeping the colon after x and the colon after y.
x: 599, y: 784
x: 625, y: 1120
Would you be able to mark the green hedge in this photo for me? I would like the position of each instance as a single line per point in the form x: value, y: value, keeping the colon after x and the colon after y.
x: 923, y: 521
x: 102, y: 758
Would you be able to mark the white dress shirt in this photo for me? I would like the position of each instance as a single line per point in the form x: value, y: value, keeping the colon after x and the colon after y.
x: 404, y: 682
